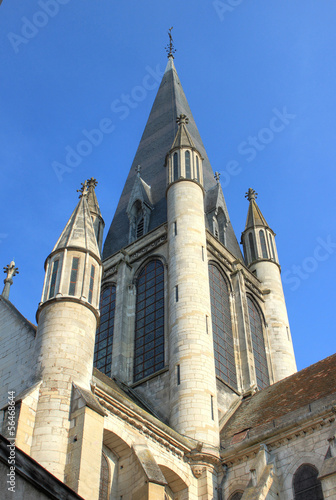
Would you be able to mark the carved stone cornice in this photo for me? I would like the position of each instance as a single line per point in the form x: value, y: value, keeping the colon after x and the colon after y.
x: 141, y: 424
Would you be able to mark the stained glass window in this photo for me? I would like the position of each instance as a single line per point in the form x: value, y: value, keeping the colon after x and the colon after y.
x: 258, y: 344
x: 104, y: 334
x: 222, y: 327
x: 306, y: 485
x: 263, y: 244
x: 104, y: 479
x: 149, y: 321
x: 236, y: 496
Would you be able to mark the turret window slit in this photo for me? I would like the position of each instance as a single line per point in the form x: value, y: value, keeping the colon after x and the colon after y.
x: 73, y: 276
x: 53, y: 279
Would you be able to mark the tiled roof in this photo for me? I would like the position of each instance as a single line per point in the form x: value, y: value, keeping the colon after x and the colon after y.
x: 288, y: 395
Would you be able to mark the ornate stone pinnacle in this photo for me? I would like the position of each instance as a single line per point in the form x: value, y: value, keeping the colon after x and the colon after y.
x: 92, y: 183
x: 11, y: 271
x: 251, y: 194
x: 182, y: 119
x: 83, y: 190
x: 217, y: 176
x: 170, y: 49
x: 138, y: 170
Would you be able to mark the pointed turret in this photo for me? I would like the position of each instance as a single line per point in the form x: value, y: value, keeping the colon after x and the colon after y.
x: 258, y: 238
x: 157, y: 140
x: 262, y: 259
x: 67, y: 321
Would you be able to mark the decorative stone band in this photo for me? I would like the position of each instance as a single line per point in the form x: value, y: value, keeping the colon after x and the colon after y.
x: 59, y: 297
x: 183, y: 179
x: 76, y: 249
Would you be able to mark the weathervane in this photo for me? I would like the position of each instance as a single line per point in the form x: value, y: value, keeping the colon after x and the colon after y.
x: 251, y: 194
x: 170, y: 49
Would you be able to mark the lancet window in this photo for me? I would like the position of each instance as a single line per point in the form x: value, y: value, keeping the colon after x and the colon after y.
x: 104, y: 334
x: 53, y: 279
x: 263, y: 244
x: 149, y: 321
x: 222, y: 327
x: 306, y: 484
x: 187, y: 165
x: 258, y: 344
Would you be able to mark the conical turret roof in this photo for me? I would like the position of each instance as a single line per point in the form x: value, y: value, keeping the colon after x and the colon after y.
x: 92, y: 198
x: 254, y: 215
x: 79, y: 231
x: 183, y: 138
x: 156, y: 141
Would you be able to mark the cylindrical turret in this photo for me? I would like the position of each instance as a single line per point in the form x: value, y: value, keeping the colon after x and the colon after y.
x: 191, y: 358
x: 67, y: 321
x: 262, y: 259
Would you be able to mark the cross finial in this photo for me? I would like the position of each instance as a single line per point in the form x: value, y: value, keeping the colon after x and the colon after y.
x: 217, y: 177
x: 83, y: 190
x: 138, y: 170
x: 182, y: 119
x: 170, y: 49
x: 11, y: 271
x: 251, y: 194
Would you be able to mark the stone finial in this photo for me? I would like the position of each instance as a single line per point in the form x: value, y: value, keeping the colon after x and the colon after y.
x: 217, y: 177
x: 170, y: 49
x: 11, y: 271
x: 182, y: 120
x: 83, y: 190
x: 91, y: 183
x: 251, y: 194
x: 138, y: 170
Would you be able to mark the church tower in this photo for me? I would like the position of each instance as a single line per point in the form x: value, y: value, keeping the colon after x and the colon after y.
x: 262, y: 259
x: 67, y: 320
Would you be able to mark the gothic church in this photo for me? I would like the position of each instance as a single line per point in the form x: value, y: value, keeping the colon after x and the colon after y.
x: 162, y: 364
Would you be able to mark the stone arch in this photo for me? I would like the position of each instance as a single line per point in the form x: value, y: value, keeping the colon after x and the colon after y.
x: 313, y: 458
x: 142, y: 264
x: 119, y: 443
x: 177, y: 480
x: 223, y: 272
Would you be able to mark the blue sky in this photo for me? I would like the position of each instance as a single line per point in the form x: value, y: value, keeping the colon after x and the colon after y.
x: 242, y: 64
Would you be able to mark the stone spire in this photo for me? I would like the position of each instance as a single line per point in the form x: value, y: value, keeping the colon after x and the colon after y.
x: 254, y: 215
x: 79, y: 231
x: 11, y: 271
x: 97, y: 219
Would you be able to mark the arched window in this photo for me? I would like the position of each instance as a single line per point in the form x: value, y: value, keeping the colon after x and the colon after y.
x: 222, y: 327
x: 306, y: 485
x: 272, y: 247
x: 187, y: 165
x: 149, y: 321
x: 140, y: 227
x: 104, y: 485
x: 221, y: 221
x: 263, y: 244
x: 252, y: 247
x: 197, y: 170
x: 175, y: 162
x: 104, y: 334
x: 236, y: 496
x: 258, y: 344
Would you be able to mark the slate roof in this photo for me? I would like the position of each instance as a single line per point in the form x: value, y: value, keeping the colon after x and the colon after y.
x: 156, y: 142
x: 79, y: 231
x: 288, y: 395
